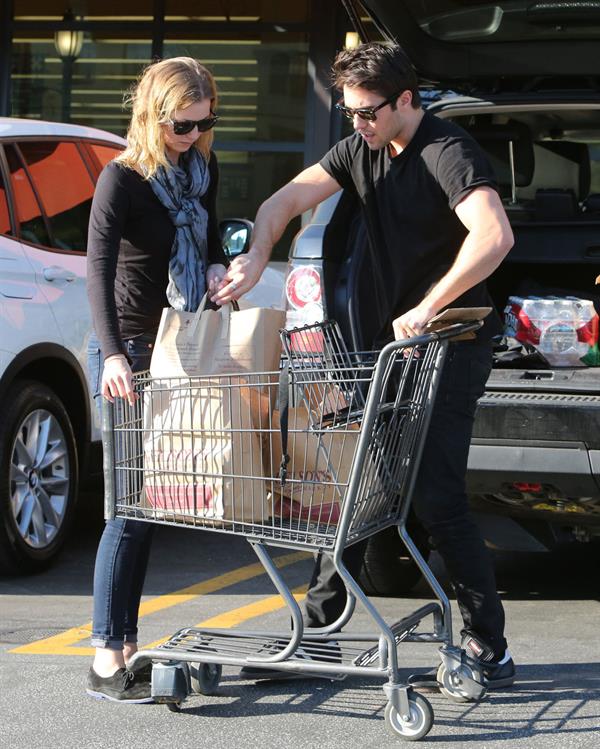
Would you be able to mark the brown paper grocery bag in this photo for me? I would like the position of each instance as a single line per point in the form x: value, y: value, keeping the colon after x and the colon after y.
x: 202, y: 456
x: 221, y: 341
x: 320, y: 459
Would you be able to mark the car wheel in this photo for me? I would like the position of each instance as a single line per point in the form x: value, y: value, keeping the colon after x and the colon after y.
x: 388, y: 569
x: 38, y: 477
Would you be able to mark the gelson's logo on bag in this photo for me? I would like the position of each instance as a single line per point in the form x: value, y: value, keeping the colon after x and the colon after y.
x: 318, y: 476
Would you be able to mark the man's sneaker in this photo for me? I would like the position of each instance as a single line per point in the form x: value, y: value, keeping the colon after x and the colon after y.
x: 332, y: 655
x: 498, y: 673
x: 122, y: 686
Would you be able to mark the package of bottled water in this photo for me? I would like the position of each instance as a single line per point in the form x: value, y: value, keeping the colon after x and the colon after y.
x: 563, y: 329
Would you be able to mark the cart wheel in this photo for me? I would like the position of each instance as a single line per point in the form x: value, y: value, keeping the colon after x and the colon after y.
x: 452, y: 684
x: 174, y: 707
x: 205, y: 677
x: 421, y: 719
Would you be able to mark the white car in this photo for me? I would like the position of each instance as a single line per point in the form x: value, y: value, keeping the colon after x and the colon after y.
x: 49, y: 435
x: 48, y: 173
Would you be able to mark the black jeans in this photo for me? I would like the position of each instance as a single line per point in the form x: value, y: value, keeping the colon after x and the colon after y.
x: 440, y: 503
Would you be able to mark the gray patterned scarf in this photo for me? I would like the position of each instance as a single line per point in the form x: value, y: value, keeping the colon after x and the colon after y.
x: 179, y: 189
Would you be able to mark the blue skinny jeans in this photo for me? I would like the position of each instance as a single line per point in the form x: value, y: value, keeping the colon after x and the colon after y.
x: 122, y: 556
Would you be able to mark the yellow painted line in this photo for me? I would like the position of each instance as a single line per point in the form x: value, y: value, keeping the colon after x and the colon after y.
x: 237, y: 616
x: 63, y: 643
x: 250, y: 611
x: 60, y: 644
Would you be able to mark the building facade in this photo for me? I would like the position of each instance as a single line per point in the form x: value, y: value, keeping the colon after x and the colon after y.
x: 74, y: 60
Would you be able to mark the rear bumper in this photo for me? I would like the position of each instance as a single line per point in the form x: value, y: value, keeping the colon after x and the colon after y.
x: 536, y: 420
x: 566, y: 469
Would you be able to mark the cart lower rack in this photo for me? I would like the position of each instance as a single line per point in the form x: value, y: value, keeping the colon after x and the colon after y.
x: 315, y: 457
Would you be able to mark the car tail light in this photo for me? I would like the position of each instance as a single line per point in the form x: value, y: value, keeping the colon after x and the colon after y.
x: 525, y: 486
x: 304, y: 294
x: 303, y: 286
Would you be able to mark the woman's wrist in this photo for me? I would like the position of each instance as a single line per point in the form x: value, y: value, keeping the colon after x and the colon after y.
x: 115, y: 356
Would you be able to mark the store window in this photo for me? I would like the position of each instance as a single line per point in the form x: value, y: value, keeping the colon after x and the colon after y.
x: 257, y: 50
x: 262, y: 83
x: 87, y: 91
x: 97, y: 10
x: 238, y: 11
x: 248, y: 178
x: 261, y: 79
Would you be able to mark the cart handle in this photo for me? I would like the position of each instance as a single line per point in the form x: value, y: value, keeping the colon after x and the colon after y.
x: 446, y: 332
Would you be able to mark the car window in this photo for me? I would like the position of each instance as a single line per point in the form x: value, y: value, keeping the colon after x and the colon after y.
x: 32, y: 227
x: 5, y: 227
x: 65, y: 189
x: 104, y: 153
x: 595, y: 167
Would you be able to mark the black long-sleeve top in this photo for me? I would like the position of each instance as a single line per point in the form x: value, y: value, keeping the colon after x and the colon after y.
x: 129, y: 247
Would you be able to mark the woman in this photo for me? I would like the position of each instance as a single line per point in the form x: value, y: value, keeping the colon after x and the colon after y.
x: 153, y: 241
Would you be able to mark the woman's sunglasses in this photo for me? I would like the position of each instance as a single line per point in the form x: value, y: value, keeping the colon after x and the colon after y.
x: 365, y: 113
x: 183, y: 127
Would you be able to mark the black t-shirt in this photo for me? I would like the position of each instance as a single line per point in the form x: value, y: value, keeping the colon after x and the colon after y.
x: 129, y: 248
x: 408, y: 202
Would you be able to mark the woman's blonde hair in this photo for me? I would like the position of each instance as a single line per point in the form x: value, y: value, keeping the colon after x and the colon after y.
x: 163, y: 88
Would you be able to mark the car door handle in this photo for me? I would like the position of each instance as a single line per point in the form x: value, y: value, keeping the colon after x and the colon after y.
x: 56, y: 273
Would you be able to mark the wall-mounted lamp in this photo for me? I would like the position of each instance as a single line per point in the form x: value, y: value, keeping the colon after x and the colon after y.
x: 352, y: 40
x: 68, y: 43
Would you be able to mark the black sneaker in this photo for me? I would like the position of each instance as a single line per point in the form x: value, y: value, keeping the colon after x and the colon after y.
x: 498, y: 673
x: 142, y: 673
x: 258, y: 673
x: 122, y: 686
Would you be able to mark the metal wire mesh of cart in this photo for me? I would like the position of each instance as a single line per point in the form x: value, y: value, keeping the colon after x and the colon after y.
x: 209, y: 452
x: 390, y: 408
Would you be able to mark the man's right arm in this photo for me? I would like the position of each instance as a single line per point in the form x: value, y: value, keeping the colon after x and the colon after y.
x: 305, y: 191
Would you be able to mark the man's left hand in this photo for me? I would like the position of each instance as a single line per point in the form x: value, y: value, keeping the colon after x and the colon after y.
x: 412, y: 323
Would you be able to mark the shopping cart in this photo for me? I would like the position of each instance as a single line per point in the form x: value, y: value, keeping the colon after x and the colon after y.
x: 315, y: 457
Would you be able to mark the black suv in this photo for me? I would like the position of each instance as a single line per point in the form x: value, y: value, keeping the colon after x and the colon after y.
x: 522, y: 79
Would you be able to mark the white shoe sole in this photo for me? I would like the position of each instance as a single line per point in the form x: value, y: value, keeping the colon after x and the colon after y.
x: 102, y: 696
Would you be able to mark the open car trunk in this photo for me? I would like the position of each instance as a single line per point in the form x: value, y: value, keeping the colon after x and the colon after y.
x: 547, y: 164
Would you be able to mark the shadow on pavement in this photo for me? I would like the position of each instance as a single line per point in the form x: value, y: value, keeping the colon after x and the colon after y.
x: 547, y: 700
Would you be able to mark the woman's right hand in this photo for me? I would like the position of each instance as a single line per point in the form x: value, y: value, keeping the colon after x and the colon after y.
x: 117, y: 379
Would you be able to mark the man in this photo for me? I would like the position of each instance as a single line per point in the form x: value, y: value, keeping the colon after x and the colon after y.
x: 437, y: 229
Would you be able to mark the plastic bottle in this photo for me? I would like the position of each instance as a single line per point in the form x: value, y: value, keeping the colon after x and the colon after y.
x: 558, y: 341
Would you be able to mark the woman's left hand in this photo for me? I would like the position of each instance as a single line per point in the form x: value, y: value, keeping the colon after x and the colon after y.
x: 214, y: 276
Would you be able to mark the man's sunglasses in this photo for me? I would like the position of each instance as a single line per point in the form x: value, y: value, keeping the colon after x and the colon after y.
x: 365, y: 113
x: 183, y: 127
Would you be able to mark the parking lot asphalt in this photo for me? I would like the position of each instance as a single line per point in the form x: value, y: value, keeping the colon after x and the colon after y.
x: 553, y: 625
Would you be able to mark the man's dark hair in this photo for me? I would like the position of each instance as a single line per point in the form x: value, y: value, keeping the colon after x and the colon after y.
x: 382, y: 68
